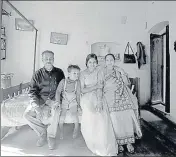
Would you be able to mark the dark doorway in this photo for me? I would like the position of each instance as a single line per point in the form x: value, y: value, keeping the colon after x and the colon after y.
x: 160, y: 69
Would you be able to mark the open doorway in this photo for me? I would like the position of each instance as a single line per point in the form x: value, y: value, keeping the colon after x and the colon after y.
x: 160, y: 69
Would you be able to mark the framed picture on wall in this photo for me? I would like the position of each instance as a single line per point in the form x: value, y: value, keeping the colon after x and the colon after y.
x: 22, y: 25
x: 101, y: 49
x: 58, y: 38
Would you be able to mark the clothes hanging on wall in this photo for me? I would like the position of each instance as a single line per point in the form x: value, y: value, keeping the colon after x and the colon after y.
x: 141, y: 56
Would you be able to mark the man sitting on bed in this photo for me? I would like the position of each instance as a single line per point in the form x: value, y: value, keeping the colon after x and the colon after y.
x: 42, y: 93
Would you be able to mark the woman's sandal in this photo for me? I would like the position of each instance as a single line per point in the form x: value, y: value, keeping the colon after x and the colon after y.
x: 121, y: 149
x: 130, y: 148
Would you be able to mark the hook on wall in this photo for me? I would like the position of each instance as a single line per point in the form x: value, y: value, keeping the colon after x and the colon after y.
x: 175, y: 46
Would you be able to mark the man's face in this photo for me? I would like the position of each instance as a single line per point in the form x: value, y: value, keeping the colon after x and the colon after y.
x: 48, y: 60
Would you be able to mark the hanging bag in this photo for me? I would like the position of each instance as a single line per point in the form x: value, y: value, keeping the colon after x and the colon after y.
x: 129, y: 58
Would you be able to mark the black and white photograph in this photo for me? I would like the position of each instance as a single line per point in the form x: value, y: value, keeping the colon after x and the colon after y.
x: 88, y: 78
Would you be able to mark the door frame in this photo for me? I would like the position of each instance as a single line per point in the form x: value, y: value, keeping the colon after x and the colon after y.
x: 153, y: 36
x: 167, y: 76
x: 0, y: 50
x: 167, y: 96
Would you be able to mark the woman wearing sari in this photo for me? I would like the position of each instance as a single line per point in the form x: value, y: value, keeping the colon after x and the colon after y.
x: 122, y: 104
x: 96, y: 126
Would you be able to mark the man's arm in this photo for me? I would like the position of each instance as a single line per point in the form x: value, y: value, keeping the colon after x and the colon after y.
x: 34, y: 91
x: 62, y: 76
x: 59, y: 91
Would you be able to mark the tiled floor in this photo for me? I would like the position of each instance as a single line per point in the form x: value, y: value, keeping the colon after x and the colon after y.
x: 171, y: 117
x: 160, y: 125
x: 160, y: 107
x: 148, y: 116
x: 22, y: 142
x: 162, y: 129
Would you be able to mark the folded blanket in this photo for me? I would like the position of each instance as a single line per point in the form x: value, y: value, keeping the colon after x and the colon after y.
x: 12, y: 110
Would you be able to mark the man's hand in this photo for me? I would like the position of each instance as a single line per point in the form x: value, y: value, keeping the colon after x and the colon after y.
x: 36, y: 108
x: 39, y: 112
x: 34, y: 105
x: 55, y: 105
x: 49, y: 102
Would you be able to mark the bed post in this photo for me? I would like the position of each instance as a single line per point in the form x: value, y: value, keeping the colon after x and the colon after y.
x: 0, y: 44
x: 35, y: 48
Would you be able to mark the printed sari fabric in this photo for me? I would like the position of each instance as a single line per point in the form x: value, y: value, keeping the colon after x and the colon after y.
x: 122, y: 105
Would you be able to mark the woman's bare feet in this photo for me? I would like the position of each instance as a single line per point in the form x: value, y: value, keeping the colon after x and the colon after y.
x: 130, y: 148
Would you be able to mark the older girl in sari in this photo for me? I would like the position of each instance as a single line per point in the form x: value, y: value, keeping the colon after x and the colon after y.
x: 122, y: 104
x: 96, y: 126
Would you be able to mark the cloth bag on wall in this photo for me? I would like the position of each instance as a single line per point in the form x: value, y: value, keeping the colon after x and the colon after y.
x: 129, y: 58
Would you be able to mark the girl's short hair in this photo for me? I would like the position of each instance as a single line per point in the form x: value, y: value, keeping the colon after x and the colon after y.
x: 70, y: 67
x: 92, y: 55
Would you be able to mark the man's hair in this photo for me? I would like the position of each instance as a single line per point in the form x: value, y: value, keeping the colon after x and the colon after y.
x: 70, y: 67
x: 47, y: 51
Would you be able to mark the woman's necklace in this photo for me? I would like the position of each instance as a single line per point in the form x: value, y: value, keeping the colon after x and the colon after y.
x: 90, y: 71
x: 109, y: 71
